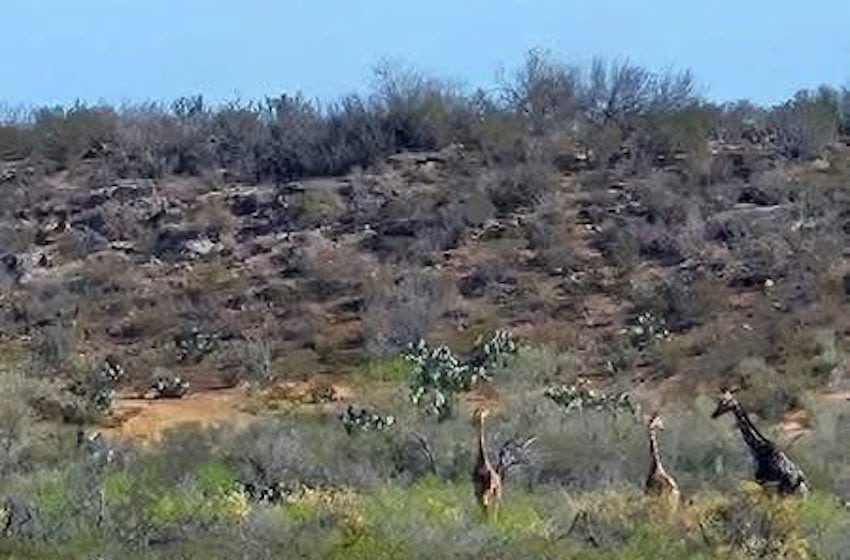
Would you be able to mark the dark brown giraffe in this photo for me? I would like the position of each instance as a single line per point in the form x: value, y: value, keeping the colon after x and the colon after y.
x: 773, y: 469
x: 659, y: 483
x: 486, y: 481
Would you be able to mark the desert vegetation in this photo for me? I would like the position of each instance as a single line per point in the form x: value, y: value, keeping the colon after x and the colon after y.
x: 261, y: 329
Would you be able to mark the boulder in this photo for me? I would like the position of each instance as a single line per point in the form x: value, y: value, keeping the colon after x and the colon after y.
x: 201, y: 247
x: 171, y: 242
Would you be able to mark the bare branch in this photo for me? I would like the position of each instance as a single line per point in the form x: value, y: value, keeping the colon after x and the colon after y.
x: 425, y: 447
x: 514, y: 452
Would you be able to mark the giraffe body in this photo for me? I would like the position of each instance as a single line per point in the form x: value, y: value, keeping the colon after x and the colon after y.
x: 777, y: 470
x: 773, y: 468
x: 486, y: 481
x: 659, y: 483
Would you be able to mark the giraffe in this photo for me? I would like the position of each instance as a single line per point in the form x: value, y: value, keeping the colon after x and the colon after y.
x: 773, y: 468
x: 486, y: 481
x: 659, y: 483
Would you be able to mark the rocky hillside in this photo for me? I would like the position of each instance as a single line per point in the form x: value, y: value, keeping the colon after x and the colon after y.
x: 638, y: 274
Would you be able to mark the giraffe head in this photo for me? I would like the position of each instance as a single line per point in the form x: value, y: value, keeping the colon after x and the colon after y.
x: 480, y: 414
x: 726, y: 403
x: 655, y: 423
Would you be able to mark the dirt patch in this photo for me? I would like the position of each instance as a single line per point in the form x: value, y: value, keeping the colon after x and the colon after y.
x: 315, y: 391
x: 147, y: 420
x: 144, y: 420
x: 837, y: 397
x: 798, y: 423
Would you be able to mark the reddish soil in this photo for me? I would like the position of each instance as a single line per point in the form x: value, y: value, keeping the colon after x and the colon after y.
x: 148, y: 420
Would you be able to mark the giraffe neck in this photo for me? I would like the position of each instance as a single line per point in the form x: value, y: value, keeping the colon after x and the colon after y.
x: 752, y: 437
x: 654, y: 454
x: 482, y: 452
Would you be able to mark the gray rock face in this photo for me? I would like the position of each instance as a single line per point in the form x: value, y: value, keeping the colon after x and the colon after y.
x: 172, y: 242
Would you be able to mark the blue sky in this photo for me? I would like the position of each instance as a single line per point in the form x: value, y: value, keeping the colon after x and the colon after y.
x: 56, y: 51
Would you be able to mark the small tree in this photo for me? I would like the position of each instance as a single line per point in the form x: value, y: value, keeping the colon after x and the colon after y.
x: 255, y: 360
x: 633, y: 101
x: 808, y: 123
x: 544, y: 94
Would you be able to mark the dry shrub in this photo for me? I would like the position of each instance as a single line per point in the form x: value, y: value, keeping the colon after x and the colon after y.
x: 685, y: 299
x: 767, y: 396
x: 402, y: 310
x: 521, y: 186
x: 549, y: 233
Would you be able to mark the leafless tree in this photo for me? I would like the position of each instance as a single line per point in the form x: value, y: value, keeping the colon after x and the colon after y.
x: 620, y: 91
x: 545, y: 94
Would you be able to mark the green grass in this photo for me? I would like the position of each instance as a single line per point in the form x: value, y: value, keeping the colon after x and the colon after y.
x: 384, y: 370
